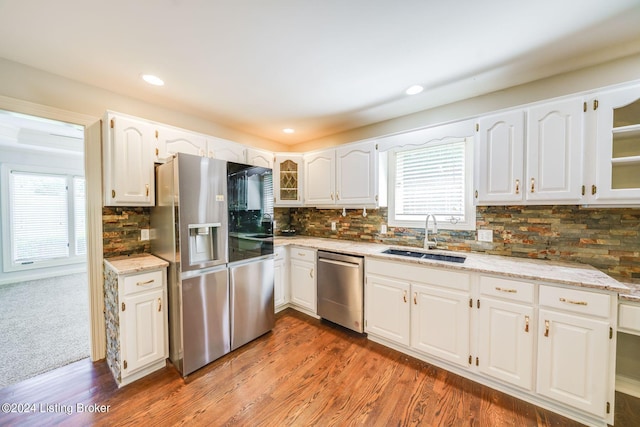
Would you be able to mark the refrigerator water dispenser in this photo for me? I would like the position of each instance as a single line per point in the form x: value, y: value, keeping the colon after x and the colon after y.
x: 202, y: 242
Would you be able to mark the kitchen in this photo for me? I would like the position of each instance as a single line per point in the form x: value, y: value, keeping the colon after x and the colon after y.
x: 518, y: 229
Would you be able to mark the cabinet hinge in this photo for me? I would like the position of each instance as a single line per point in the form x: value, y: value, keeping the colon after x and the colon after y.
x: 470, y: 360
x: 478, y: 303
x: 595, y: 104
x: 113, y: 194
x: 584, y: 190
x: 124, y: 364
x: 610, y: 333
x: 124, y: 307
x: 477, y: 127
x: 476, y: 194
x: 584, y: 106
x: 608, y: 408
x: 477, y: 361
x: 594, y: 190
x: 112, y: 123
x: 156, y: 133
x: 470, y: 303
x: 376, y: 146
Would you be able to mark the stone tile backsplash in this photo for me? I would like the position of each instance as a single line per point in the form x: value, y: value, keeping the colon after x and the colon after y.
x: 606, y: 238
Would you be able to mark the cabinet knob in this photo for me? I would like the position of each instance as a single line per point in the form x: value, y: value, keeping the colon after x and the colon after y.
x: 404, y: 296
x: 147, y: 187
x: 517, y: 186
x: 546, y: 328
x: 311, y: 273
x: 415, y: 298
x: 533, y: 185
x: 159, y: 304
x: 526, y: 323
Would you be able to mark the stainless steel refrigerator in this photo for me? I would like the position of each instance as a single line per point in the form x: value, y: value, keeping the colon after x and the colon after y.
x: 216, y: 302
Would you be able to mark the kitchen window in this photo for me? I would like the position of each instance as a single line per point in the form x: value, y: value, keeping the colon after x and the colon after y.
x: 43, y: 218
x: 435, y: 178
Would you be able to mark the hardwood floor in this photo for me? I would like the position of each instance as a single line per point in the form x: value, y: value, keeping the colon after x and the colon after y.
x: 305, y: 372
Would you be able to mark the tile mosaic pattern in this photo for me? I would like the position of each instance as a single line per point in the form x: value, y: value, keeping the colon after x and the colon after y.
x: 112, y: 322
x: 121, y: 231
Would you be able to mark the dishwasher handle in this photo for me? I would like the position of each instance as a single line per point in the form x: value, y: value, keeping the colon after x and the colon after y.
x: 336, y: 262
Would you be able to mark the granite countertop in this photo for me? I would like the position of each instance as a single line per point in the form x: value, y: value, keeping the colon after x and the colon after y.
x: 565, y: 273
x: 634, y: 295
x: 135, y: 263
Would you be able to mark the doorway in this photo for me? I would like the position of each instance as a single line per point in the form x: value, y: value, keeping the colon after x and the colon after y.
x: 44, y: 304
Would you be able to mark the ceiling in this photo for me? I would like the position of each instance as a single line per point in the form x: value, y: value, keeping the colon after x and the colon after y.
x: 320, y: 67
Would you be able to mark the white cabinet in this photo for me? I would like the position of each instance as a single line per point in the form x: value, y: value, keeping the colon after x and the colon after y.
x: 261, y: 158
x: 136, y: 316
x: 499, y: 158
x: 617, y: 154
x: 287, y: 181
x: 440, y: 322
x: 575, y: 344
x: 554, y: 155
x: 303, y: 278
x: 387, y: 308
x: 281, y: 277
x: 171, y: 141
x: 222, y: 149
x: 346, y: 176
x: 506, y: 330
x: 128, y: 146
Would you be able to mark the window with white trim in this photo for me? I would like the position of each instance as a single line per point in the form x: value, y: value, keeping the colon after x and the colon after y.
x: 44, y: 218
x: 435, y: 178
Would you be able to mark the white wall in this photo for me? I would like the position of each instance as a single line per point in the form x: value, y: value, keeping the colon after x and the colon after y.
x: 610, y: 73
x: 29, y: 84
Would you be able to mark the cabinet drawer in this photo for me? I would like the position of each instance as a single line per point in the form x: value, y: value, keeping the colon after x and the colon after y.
x: 303, y: 254
x: 143, y: 282
x: 629, y: 318
x: 577, y: 301
x: 507, y: 289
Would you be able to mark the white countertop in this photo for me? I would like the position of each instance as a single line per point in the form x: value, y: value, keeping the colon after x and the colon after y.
x: 565, y: 273
x: 135, y: 263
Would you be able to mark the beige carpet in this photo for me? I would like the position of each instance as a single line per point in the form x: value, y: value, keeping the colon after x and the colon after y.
x: 44, y: 324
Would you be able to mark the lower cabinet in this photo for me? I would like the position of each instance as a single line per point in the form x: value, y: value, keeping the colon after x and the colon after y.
x: 551, y: 345
x: 302, y: 276
x: 136, y: 316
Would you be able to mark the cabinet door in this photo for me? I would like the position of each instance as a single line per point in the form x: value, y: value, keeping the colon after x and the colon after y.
x: 440, y: 323
x: 128, y: 157
x: 287, y: 183
x: 303, y: 284
x: 500, y: 158
x: 387, y: 308
x: 260, y: 158
x: 143, y: 331
x: 320, y: 178
x: 279, y: 273
x: 226, y: 150
x: 618, y: 146
x: 555, y: 151
x: 573, y: 360
x: 171, y: 141
x: 506, y: 335
x: 356, y: 174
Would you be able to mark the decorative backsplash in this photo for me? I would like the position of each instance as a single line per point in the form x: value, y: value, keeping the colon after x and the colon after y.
x: 121, y: 231
x: 606, y: 238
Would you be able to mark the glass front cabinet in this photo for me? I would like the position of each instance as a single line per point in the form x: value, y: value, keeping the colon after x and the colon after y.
x: 618, y: 145
x: 288, y: 180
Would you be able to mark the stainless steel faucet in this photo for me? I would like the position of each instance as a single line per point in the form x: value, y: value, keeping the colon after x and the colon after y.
x: 427, y: 243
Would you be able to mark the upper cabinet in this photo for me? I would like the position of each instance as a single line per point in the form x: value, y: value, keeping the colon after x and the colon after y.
x: 219, y: 148
x: 554, y: 155
x: 261, y: 158
x: 346, y: 176
x: 128, y: 146
x: 499, y: 158
x: 540, y: 163
x: 617, y: 154
x: 287, y: 184
x: 171, y: 141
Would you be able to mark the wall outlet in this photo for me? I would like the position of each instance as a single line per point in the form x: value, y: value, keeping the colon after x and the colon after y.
x: 485, y: 235
x: 144, y: 234
x: 383, y: 229
x: 333, y: 226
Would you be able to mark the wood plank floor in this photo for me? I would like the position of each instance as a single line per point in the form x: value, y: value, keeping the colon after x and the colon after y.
x: 305, y: 372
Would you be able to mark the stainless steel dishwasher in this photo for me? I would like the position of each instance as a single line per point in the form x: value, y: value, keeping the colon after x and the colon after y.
x: 341, y: 289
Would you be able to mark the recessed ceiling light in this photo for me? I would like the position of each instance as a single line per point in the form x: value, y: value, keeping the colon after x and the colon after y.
x: 152, y: 80
x: 288, y: 130
x: 413, y: 90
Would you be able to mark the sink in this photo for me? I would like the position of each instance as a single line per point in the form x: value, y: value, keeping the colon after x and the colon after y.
x: 425, y: 255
